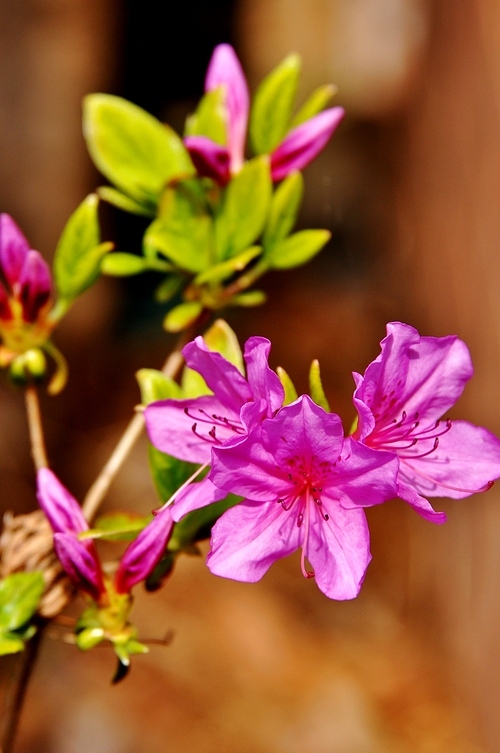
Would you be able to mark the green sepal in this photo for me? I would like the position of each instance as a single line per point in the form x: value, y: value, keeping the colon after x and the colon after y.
x: 182, y: 316
x: 89, y: 637
x: 116, y: 526
x: 285, y: 205
x: 316, y: 386
x: 210, y: 117
x: 121, y: 201
x: 314, y: 104
x: 136, y: 647
x: 220, y: 272
x: 136, y: 152
x: 249, y: 299
x: 183, y: 232
x: 155, y: 385
x: 20, y: 594
x: 78, y: 254
x: 291, y: 393
x: 297, y: 249
x: 123, y: 265
x: 219, y: 338
x: 243, y: 213
x: 273, y: 105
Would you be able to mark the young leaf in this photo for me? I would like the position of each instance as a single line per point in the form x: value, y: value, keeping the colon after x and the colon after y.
x: 118, y: 199
x: 155, y: 385
x: 316, y: 386
x: 168, y: 473
x: 273, y: 105
x: 20, y: 594
x: 297, y: 249
x: 182, y: 316
x: 210, y: 117
x: 291, y: 393
x: 314, y: 104
x: 136, y: 152
x: 285, y: 205
x: 220, y: 272
x: 10, y: 643
x: 123, y: 265
x: 249, y: 299
x: 79, y: 252
x: 244, y: 210
x: 169, y: 288
x: 117, y: 526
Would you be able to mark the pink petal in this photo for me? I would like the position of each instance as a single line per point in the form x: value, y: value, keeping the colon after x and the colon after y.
x: 13, y: 249
x: 222, y: 377
x: 196, y: 495
x: 225, y: 68
x: 263, y: 382
x: 61, y: 508
x: 81, y: 564
x: 211, y: 160
x: 34, y: 285
x: 143, y: 554
x: 303, y: 143
x: 5, y: 309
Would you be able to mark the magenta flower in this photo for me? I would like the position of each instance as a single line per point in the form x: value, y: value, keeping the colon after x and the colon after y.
x: 400, y: 402
x: 305, y: 486
x: 299, y: 147
x: 79, y: 558
x: 189, y: 429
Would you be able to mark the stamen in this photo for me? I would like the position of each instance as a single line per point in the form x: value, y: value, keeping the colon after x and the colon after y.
x: 434, y: 481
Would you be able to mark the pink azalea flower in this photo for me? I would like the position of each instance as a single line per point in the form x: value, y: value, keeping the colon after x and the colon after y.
x: 27, y: 275
x: 189, y: 429
x: 400, y: 402
x: 305, y: 486
x: 299, y: 147
x: 80, y: 559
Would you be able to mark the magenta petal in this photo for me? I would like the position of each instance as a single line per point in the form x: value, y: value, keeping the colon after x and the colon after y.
x: 466, y: 461
x: 366, y: 477
x: 211, y: 160
x: 61, y: 508
x: 222, y: 377
x: 143, y: 554
x: 13, y: 249
x: 339, y: 552
x: 5, y: 309
x: 420, y: 504
x: 303, y: 143
x: 80, y: 562
x: 248, y: 538
x: 181, y: 428
x: 196, y: 495
x: 225, y: 68
x: 263, y: 382
x: 34, y: 285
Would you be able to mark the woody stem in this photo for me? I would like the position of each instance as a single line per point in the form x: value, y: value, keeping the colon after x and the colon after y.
x: 38, y: 451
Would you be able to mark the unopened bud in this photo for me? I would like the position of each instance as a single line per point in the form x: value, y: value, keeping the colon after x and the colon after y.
x: 28, y: 367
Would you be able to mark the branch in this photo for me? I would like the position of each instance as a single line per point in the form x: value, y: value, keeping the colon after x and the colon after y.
x: 38, y: 451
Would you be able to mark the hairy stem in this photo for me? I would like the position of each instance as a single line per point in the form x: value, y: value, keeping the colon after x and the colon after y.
x: 38, y: 451
x: 101, y: 485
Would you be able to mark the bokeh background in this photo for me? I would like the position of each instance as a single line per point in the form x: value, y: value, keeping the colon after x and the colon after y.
x: 410, y: 187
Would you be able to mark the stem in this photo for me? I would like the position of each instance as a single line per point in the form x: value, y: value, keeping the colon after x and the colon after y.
x: 14, y: 689
x: 101, y: 485
x: 38, y: 451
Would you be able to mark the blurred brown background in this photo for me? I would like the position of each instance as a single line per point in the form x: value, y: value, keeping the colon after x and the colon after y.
x: 410, y: 187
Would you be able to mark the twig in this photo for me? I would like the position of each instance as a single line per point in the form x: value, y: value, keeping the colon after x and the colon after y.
x: 101, y: 485
x: 37, y: 441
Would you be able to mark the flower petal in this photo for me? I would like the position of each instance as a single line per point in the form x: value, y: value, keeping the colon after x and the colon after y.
x: 249, y: 537
x: 196, y: 495
x: 363, y: 477
x: 35, y: 285
x: 303, y: 143
x: 81, y: 563
x: 61, y: 508
x: 264, y: 383
x: 211, y: 160
x: 339, y: 551
x: 222, y: 377
x: 144, y: 553
x: 13, y: 249
x: 225, y: 68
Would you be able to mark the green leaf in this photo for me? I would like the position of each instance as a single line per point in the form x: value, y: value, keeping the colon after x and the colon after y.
x: 119, y: 200
x: 219, y: 338
x: 291, y: 393
x: 314, y: 104
x: 316, y: 386
x: 273, y: 105
x: 123, y: 265
x: 210, y: 117
x: 169, y: 288
x: 20, y: 594
x: 220, y: 272
x: 249, y: 299
x: 168, y: 473
x: 136, y: 152
x: 155, y: 385
x: 285, y: 205
x: 244, y: 210
x: 78, y: 255
x: 182, y: 316
x: 10, y: 643
x: 117, y: 526
x: 183, y: 232
x: 297, y: 249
